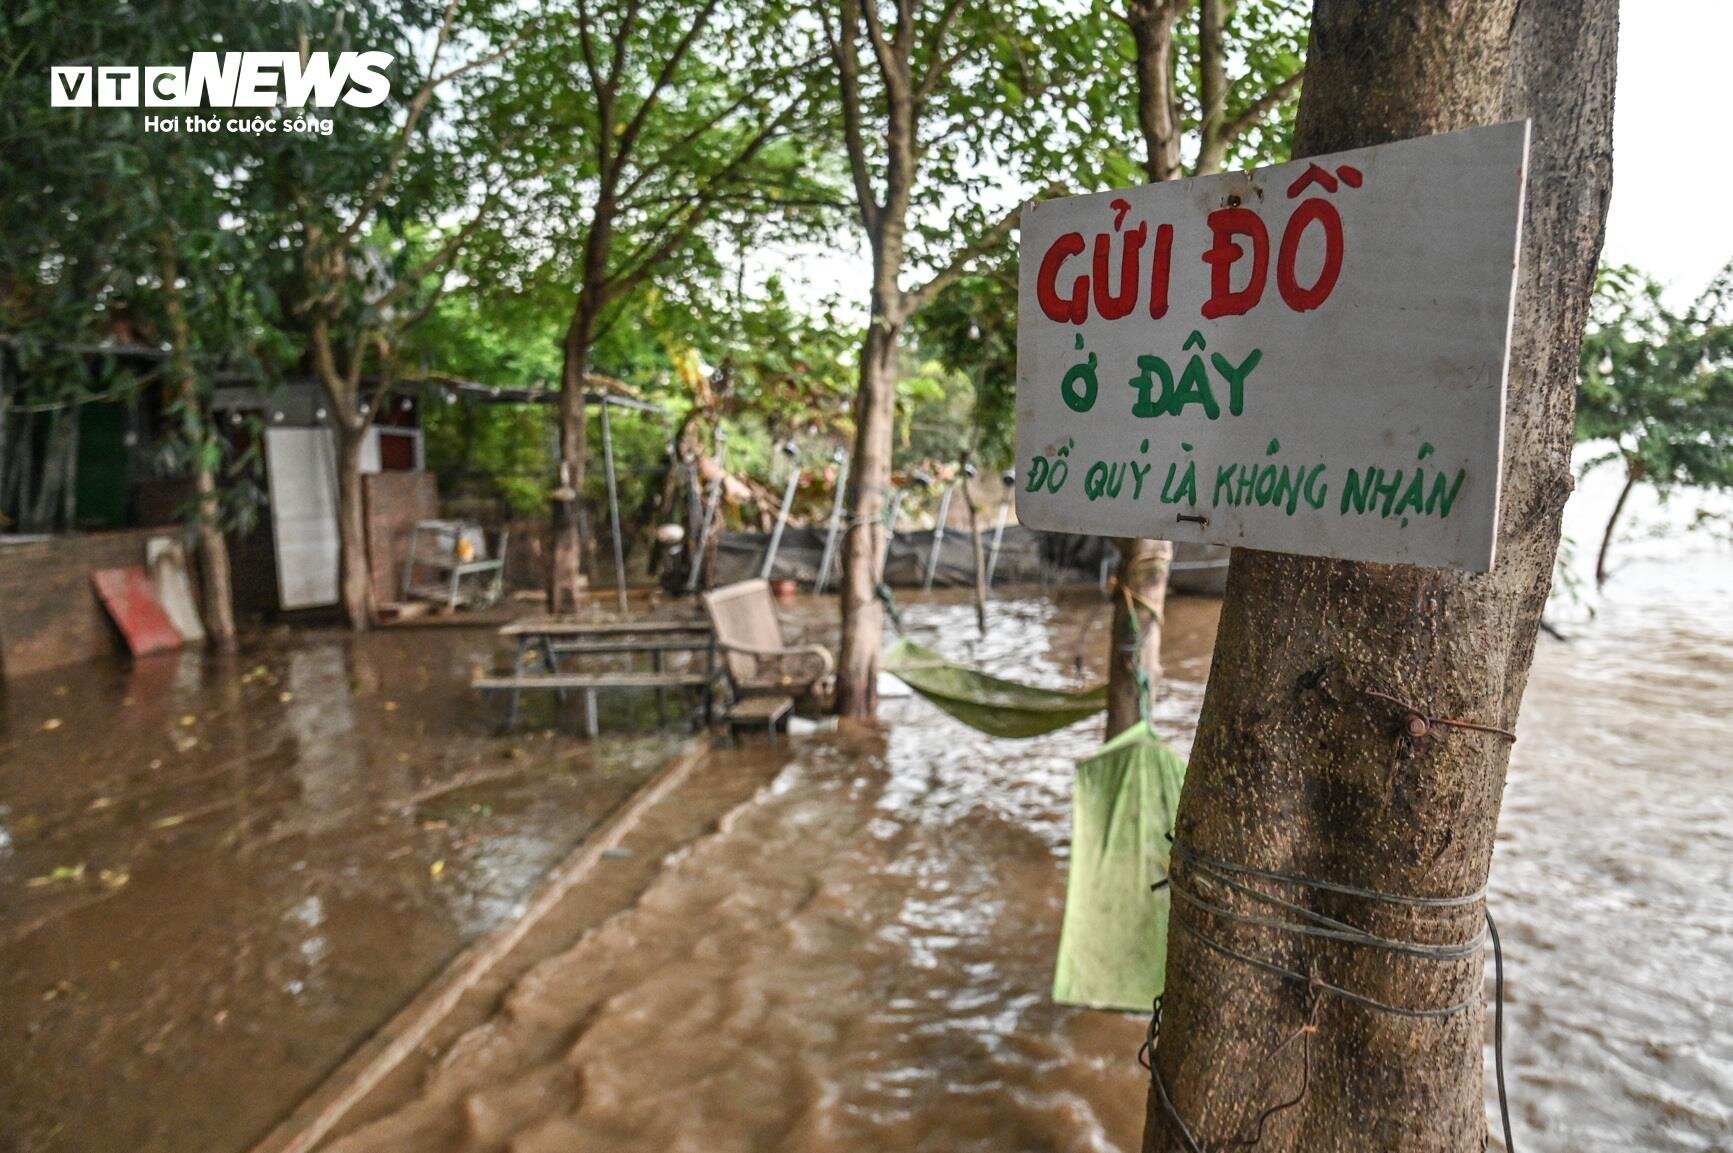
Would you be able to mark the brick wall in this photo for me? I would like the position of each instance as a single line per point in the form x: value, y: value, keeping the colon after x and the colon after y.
x: 49, y: 614
x: 395, y: 501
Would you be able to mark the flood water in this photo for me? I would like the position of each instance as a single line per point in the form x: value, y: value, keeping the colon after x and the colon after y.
x: 217, y: 877
x: 860, y: 959
x: 859, y: 956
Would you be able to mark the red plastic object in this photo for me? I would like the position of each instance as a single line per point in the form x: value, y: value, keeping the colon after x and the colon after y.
x: 127, y: 595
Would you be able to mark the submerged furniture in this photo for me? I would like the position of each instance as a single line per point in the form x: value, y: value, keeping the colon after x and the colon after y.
x: 455, y: 551
x: 560, y: 655
x: 759, y: 712
x: 759, y: 661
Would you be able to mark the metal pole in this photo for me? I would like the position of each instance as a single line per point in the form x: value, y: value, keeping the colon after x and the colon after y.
x: 891, y: 512
x: 613, y: 505
x: 938, y: 537
x: 841, y: 459
x: 710, y: 506
x: 782, y: 513
x: 979, y: 566
x: 1009, y: 480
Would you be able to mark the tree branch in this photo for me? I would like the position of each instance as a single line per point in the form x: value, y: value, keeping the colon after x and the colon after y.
x: 678, y: 148
x: 1262, y: 107
x: 915, y: 300
x: 941, y: 65
x: 1212, y: 71
x: 848, y: 74
x: 417, y: 108
x: 440, y: 258
x: 629, y: 136
x: 640, y: 263
x: 876, y: 37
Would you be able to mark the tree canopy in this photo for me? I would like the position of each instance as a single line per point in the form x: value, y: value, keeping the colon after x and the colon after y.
x: 1657, y: 383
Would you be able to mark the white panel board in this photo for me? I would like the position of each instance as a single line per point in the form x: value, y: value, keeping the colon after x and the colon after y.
x: 301, y: 464
x: 1306, y: 358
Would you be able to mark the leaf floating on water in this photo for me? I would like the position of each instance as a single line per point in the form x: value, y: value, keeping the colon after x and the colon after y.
x: 437, y: 868
x: 189, y: 721
x: 60, y: 873
x: 169, y: 822
x: 285, y: 696
x: 49, y: 725
x: 390, y: 706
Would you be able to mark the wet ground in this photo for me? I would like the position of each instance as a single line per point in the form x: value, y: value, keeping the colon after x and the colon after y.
x: 860, y: 957
x: 857, y: 956
x: 216, y: 877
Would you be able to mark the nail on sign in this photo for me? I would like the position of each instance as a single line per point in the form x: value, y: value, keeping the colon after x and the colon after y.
x: 1308, y: 358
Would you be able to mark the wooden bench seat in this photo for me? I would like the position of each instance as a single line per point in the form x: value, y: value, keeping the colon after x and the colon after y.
x: 765, y: 712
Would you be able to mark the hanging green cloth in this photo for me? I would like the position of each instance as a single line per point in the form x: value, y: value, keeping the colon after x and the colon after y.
x: 1113, y: 944
x: 991, y: 704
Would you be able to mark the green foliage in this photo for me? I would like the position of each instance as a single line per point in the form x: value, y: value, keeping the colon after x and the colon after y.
x: 102, y: 213
x: 971, y: 330
x: 1659, y: 383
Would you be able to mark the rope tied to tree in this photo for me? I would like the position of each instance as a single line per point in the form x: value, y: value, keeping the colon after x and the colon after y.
x: 1309, y: 923
x: 1122, y: 585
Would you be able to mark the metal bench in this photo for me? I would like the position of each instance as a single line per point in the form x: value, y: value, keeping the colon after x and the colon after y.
x: 589, y: 684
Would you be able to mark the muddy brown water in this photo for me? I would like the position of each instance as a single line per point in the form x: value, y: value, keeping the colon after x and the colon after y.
x: 858, y: 957
x: 216, y: 877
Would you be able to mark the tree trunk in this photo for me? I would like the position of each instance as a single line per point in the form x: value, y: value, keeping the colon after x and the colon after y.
x: 1134, y: 653
x: 1297, y: 767
x: 1152, y: 24
x: 355, y: 574
x: 863, y: 618
x: 1138, y: 602
x: 215, y: 583
x: 566, y: 576
x: 215, y: 580
x: 1632, y: 475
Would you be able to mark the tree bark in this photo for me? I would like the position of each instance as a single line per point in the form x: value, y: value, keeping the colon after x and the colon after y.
x: 863, y: 622
x: 215, y: 584
x: 355, y: 575
x: 1152, y: 25
x: 1632, y: 475
x: 1212, y: 70
x: 566, y: 576
x: 1297, y: 767
x: 1138, y: 602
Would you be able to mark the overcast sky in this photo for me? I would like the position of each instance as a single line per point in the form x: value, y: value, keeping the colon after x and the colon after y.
x: 1670, y: 150
x: 1669, y: 153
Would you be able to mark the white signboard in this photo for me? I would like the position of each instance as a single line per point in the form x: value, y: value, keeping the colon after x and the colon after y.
x: 1308, y: 358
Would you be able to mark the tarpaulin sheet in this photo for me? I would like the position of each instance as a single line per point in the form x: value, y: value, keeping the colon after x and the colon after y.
x: 1113, y: 943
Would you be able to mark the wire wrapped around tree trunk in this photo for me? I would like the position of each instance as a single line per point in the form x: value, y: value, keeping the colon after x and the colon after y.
x: 1291, y: 917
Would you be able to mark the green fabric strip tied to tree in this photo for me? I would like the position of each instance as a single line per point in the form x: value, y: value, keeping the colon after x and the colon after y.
x: 987, y: 703
x: 1113, y: 944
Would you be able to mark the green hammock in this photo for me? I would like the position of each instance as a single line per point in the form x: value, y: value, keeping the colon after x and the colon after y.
x: 991, y: 704
x: 1113, y: 945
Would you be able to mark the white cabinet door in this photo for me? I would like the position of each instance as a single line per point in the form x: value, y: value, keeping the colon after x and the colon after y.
x: 301, y: 464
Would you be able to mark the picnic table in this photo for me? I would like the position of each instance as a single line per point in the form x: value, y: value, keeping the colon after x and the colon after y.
x: 542, y: 642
